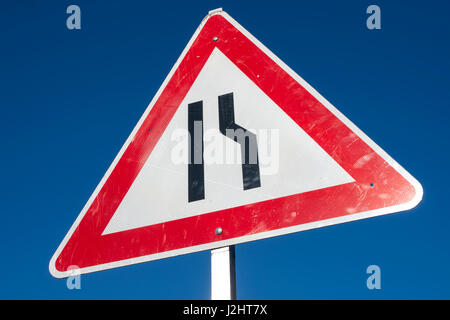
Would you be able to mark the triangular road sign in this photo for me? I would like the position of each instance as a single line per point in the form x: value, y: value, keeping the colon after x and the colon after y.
x: 312, y: 168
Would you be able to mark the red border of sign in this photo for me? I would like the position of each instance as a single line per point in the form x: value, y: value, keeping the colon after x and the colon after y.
x: 377, y: 184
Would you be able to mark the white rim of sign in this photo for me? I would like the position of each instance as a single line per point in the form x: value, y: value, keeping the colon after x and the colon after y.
x: 213, y: 245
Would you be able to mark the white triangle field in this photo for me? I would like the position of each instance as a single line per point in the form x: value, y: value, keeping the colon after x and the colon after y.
x: 291, y: 162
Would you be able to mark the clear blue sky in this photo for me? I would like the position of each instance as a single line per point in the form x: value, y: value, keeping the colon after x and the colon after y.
x: 69, y: 99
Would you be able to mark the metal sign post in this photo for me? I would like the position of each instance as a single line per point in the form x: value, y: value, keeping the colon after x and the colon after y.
x: 223, y: 274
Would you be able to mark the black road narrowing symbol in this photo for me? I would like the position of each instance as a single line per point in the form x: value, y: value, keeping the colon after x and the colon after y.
x: 228, y: 127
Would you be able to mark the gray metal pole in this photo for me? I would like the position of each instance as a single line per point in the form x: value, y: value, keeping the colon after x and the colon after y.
x: 223, y: 274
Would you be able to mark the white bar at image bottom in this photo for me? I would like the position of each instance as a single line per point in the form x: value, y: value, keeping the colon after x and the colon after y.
x: 223, y: 274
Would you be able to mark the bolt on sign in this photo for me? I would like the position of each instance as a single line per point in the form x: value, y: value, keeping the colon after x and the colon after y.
x: 234, y: 147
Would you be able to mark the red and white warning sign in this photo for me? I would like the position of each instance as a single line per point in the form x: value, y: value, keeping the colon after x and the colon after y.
x: 234, y: 147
